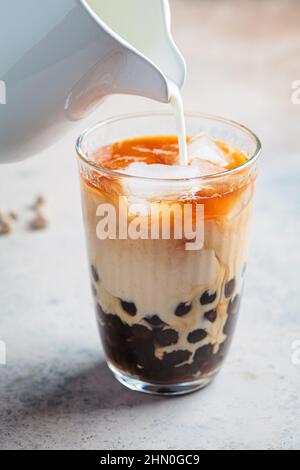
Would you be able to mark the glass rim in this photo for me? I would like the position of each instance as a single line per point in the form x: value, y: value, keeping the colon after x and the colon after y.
x: 210, y: 117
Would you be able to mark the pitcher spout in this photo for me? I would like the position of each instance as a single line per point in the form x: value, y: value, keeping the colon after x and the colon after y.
x: 144, y: 58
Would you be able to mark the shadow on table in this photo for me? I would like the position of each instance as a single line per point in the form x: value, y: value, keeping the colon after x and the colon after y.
x: 84, y: 391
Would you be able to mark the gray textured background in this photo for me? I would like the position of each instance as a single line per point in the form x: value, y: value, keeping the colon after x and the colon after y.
x: 55, y: 391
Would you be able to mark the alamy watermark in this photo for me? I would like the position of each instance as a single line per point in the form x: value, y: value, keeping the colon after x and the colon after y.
x: 2, y: 353
x: 152, y: 220
x: 295, y: 98
x: 296, y: 353
x: 2, y: 92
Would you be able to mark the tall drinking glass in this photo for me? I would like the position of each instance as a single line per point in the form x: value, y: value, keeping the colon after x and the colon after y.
x: 166, y: 306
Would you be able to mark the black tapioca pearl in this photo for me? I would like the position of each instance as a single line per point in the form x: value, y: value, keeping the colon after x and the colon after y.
x: 208, y: 298
x: 211, y: 315
x: 205, y: 360
x: 183, y: 309
x: 129, y: 308
x: 229, y: 288
x: 196, y: 336
x: 174, y: 358
x: 234, y: 305
x: 95, y: 273
x: 94, y: 291
x: 166, y: 337
x: 100, y: 312
x: 231, y: 321
x: 140, y: 331
x: 154, y: 321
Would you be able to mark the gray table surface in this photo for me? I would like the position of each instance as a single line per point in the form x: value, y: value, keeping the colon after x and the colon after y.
x: 55, y: 390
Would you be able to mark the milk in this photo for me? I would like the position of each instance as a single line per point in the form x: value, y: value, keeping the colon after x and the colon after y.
x: 141, y: 24
x: 177, y: 103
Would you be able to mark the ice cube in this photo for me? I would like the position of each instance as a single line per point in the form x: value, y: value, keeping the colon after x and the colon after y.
x: 205, y: 167
x: 203, y: 147
x: 159, y: 171
x: 160, y: 184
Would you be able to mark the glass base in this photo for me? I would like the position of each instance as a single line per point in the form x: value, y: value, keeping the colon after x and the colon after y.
x: 159, y: 389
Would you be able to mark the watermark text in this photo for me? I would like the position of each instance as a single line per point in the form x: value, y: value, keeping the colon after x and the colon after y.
x: 154, y: 221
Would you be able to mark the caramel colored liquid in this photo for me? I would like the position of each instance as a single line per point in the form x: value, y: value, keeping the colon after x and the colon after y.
x: 217, y: 195
x: 156, y: 150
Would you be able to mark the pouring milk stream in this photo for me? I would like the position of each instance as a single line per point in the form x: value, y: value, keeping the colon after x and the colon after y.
x: 150, y: 38
x: 81, y: 51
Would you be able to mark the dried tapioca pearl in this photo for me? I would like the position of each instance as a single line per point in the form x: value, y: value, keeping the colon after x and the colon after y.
x: 196, y: 336
x: 208, y: 298
x: 183, y: 309
x: 166, y: 337
x: 211, y: 315
x: 229, y: 288
x: 5, y: 228
x: 129, y: 308
x: 39, y: 222
x: 13, y: 215
x: 40, y: 200
x: 95, y: 273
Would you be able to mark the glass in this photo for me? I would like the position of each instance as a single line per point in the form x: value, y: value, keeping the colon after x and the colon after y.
x: 166, y: 314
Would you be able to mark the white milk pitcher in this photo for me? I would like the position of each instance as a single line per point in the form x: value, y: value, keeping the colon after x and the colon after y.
x: 60, y: 58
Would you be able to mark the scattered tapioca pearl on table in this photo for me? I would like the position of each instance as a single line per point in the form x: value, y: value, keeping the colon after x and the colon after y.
x: 211, y: 315
x: 166, y: 337
x: 129, y: 308
x: 196, y: 336
x: 95, y: 273
x: 183, y: 309
x: 208, y: 298
x: 229, y: 288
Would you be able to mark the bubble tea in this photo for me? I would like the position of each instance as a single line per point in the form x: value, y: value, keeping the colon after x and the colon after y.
x: 167, y: 244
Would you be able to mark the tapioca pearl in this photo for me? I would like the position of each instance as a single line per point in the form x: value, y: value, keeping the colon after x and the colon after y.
x: 208, y: 298
x: 129, y: 308
x: 183, y: 309
x: 154, y: 321
x: 166, y: 337
x: 229, y: 326
x: 94, y: 290
x: 100, y: 312
x: 140, y: 331
x: 211, y: 315
x: 95, y: 273
x: 234, y: 305
x: 229, y: 288
x: 174, y: 358
x: 196, y: 336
